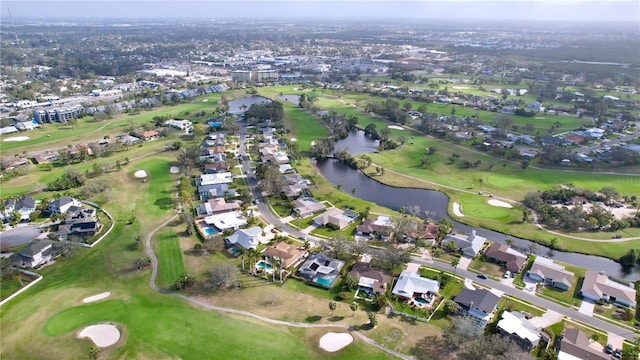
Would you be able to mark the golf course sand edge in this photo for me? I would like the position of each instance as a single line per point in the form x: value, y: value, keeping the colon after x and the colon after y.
x: 333, y: 342
x: 499, y: 203
x: 456, y: 210
x: 96, y: 297
x: 103, y: 335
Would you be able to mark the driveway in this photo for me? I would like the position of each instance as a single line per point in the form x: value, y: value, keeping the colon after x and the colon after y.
x: 529, y: 285
x: 18, y: 236
x: 587, y: 307
x: 549, y: 318
x: 464, y: 263
x: 616, y: 341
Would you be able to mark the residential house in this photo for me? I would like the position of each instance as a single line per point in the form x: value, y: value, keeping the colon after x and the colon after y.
x: 36, y: 255
x: 184, y: 125
x: 232, y: 220
x: 334, y: 217
x: 217, y: 206
x: 82, y: 228
x: 574, y: 139
x: 213, y: 179
x: 245, y: 238
x: 147, y: 135
x: 288, y: 254
x: 372, y: 281
x: 217, y: 167
x: 321, y: 269
x: 307, y: 206
x: 411, y: 285
x: 381, y: 227
x: 598, y: 286
x: 575, y: 345
x: 273, y: 155
x: 63, y: 204
x: 46, y: 157
x: 546, y: 271
x: 127, y: 139
x: 430, y: 230
x: 25, y: 206
x: 520, y: 330
x: 15, y: 162
x: 478, y: 303
x: 470, y: 245
x: 214, y: 191
x: 27, y: 125
x: 548, y: 140
x: 503, y: 254
x: 595, y: 133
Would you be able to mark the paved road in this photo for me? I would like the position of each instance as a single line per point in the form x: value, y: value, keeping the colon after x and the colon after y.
x: 628, y: 334
x: 20, y: 235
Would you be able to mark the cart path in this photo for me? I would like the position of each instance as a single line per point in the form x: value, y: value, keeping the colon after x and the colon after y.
x: 193, y: 300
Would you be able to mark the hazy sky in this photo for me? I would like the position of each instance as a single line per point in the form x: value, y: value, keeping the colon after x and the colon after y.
x: 570, y: 10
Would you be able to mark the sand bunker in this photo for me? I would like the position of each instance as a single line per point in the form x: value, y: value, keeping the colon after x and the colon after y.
x: 460, y: 87
x: 500, y: 203
x: 174, y: 170
x: 97, y: 297
x: 456, y: 210
x: 395, y: 127
x: 140, y: 174
x: 103, y: 335
x: 332, y: 342
x: 17, y: 138
x: 294, y: 140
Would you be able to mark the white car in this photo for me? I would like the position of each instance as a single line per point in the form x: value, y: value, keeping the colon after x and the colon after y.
x: 507, y: 274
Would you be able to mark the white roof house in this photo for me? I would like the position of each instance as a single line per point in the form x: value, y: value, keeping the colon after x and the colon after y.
x: 179, y: 124
x: 227, y: 221
x: 217, y: 178
x: 247, y: 238
x: 519, y: 329
x: 410, y: 283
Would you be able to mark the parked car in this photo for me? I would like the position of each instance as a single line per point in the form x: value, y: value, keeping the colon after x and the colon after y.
x: 608, y: 349
x: 482, y: 276
x: 507, y: 274
x: 617, y: 354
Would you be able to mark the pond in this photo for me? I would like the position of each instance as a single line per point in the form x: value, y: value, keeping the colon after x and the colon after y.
x: 436, y: 204
x: 237, y: 106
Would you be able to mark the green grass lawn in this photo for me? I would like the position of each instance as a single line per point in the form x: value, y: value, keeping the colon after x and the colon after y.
x: 169, y: 257
x: 486, y: 267
x: 8, y: 287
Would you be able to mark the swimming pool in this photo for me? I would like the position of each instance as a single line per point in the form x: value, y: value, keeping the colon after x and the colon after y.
x: 262, y: 264
x: 209, y: 230
x: 422, y: 302
x: 324, y: 281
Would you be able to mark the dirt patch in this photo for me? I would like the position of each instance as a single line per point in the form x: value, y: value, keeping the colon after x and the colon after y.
x: 333, y: 342
x: 499, y: 203
x: 97, y: 297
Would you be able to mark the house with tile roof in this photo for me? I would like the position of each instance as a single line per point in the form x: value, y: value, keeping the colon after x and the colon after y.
x: 597, y: 286
x: 551, y: 274
x: 503, y: 254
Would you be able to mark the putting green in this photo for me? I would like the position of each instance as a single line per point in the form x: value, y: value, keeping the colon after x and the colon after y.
x: 503, y: 181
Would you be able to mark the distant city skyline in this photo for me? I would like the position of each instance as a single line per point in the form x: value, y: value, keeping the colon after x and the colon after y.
x: 541, y: 10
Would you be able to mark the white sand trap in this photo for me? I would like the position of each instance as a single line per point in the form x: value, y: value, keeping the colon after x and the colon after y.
x: 395, y: 127
x: 333, y: 342
x: 17, y: 138
x: 500, y: 203
x: 456, y: 210
x: 174, y: 170
x: 140, y: 174
x: 460, y: 87
x: 205, y: 100
x: 97, y: 297
x: 102, y: 335
x: 294, y: 140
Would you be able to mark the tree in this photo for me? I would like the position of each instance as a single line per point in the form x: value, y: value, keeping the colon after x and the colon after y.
x: 454, y: 263
x: 450, y: 306
x: 349, y: 283
x: 198, y: 131
x: 142, y: 262
x: 630, y: 258
x: 94, y: 352
x: 223, y: 274
x: 373, y: 319
x: 609, y: 193
x: 184, y: 281
x: 533, y: 248
x: 332, y: 306
x: 353, y: 307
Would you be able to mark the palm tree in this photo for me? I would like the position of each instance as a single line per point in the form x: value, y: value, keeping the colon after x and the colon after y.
x: 242, y: 252
x: 454, y: 263
x: 332, y: 306
x: 251, y: 253
x: 273, y: 268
